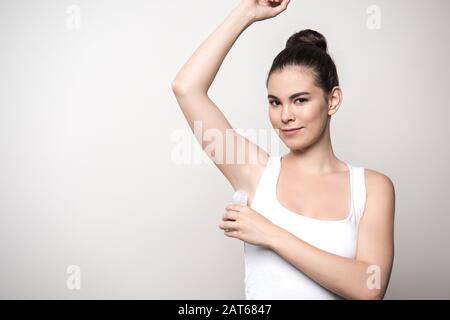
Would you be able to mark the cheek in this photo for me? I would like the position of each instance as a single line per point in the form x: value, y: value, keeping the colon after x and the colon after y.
x: 314, y: 114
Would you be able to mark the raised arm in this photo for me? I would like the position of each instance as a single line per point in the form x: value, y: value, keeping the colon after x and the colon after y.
x: 192, y: 83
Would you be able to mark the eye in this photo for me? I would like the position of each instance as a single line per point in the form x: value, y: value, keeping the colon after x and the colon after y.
x: 301, y: 100
x: 272, y: 101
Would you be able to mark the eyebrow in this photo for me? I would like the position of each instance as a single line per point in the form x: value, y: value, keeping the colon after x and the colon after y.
x: 295, y: 95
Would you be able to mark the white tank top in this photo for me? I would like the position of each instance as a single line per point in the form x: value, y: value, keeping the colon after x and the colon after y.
x: 267, y: 275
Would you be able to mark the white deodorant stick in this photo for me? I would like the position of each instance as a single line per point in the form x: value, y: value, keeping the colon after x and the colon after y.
x: 239, y: 198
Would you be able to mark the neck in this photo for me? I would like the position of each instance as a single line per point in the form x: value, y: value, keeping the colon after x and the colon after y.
x: 316, y: 159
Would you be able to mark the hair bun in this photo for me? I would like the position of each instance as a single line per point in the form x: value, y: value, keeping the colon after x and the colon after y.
x: 307, y: 36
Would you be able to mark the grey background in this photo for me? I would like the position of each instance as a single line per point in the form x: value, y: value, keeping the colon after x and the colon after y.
x: 86, y: 118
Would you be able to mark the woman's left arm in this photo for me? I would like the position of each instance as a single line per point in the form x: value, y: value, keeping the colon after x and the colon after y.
x: 366, y: 276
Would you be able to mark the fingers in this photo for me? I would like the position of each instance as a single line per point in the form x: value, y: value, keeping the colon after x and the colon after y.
x: 228, y: 225
x: 279, y: 6
x: 232, y: 233
x: 234, y: 207
x: 282, y: 6
x: 274, y: 3
x: 230, y: 215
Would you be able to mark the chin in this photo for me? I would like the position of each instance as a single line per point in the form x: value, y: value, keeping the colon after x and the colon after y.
x: 293, y: 144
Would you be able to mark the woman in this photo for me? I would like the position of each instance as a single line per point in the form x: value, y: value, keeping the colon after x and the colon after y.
x: 315, y: 226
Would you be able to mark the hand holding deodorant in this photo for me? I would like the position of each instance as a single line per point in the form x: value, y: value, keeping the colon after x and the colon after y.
x: 239, y: 198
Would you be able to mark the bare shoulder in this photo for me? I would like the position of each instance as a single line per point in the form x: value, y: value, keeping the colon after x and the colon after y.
x: 377, y: 182
x: 380, y: 192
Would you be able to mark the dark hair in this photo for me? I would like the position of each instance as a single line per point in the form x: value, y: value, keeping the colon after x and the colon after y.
x: 308, y: 48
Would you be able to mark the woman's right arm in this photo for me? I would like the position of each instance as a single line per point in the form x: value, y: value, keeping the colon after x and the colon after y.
x: 192, y: 83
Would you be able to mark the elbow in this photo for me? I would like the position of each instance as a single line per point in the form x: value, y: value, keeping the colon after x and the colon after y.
x: 184, y: 87
x: 178, y: 88
x: 374, y: 294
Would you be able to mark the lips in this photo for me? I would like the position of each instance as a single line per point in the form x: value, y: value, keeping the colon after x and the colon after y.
x: 287, y: 130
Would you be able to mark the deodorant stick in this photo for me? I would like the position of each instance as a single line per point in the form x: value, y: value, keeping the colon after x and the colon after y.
x: 239, y: 198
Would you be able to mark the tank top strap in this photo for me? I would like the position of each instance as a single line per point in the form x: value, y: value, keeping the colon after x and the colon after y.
x: 359, y: 191
x: 264, y: 188
x: 275, y: 167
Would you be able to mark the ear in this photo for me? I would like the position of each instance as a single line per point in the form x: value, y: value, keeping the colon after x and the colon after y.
x: 334, y: 100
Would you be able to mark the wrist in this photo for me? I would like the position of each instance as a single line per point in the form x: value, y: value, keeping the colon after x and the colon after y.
x: 275, y: 238
x: 246, y: 12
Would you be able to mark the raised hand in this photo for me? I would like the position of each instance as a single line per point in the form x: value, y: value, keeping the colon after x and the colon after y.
x: 264, y: 9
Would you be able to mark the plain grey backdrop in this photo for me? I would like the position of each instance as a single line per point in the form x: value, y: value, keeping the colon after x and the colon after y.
x: 87, y: 118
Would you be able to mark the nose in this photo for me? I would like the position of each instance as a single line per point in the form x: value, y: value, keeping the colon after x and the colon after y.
x: 286, y: 114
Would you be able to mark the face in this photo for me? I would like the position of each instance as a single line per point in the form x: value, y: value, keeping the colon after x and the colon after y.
x: 296, y: 102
